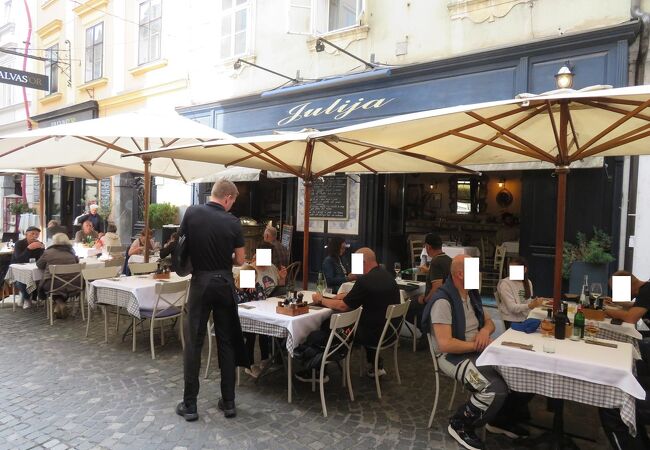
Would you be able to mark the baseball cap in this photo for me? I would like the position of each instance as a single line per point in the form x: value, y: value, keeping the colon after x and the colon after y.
x: 33, y: 229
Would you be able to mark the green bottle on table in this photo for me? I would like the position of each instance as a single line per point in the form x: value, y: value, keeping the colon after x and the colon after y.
x: 578, y: 325
x: 320, y: 284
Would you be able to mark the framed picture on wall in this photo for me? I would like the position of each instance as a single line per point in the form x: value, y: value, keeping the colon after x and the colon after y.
x: 436, y: 199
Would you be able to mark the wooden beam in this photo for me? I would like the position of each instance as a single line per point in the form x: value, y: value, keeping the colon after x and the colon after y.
x: 334, y: 147
x: 612, y: 109
x: 616, y: 142
x: 530, y: 154
x: 305, y: 242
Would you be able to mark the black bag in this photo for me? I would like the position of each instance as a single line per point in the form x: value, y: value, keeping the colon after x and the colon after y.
x: 181, y: 257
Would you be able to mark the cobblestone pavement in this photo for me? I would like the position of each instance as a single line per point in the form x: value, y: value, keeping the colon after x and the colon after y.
x: 59, y: 389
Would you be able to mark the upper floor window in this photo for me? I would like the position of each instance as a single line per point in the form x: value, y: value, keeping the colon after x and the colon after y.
x: 6, y: 94
x: 324, y: 16
x: 52, y: 68
x: 6, y: 12
x: 235, y: 27
x: 149, y: 31
x: 94, y: 51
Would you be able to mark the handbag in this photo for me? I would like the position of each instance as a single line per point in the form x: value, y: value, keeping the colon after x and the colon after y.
x: 181, y: 257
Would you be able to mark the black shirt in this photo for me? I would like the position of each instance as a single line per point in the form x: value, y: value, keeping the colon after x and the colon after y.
x: 95, y: 219
x: 213, y: 235
x: 439, y: 269
x: 643, y: 299
x: 22, y: 254
x: 374, y: 291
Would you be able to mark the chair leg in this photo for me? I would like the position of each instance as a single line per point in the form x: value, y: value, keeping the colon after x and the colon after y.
x: 413, y: 330
x: 105, y: 312
x: 399, y: 379
x: 88, y: 322
x: 182, y: 334
x: 162, y: 333
x: 152, y: 325
x: 453, y: 394
x: 347, y: 374
x: 207, y: 365
x: 13, y: 292
x: 117, y: 323
x: 322, y: 391
x: 50, y: 304
x: 133, y: 335
x: 81, y: 306
x: 313, y: 381
x: 435, y: 400
x: 377, y: 372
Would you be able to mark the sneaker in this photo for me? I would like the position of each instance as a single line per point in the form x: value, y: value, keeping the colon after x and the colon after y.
x: 228, y: 408
x: 305, y: 376
x: 371, y: 372
x: 512, y: 430
x: 27, y: 304
x: 254, y: 371
x: 189, y: 413
x: 19, y: 301
x: 465, y: 436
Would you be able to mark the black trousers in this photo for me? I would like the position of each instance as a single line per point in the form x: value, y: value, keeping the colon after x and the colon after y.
x: 264, y: 344
x: 217, y: 298
x: 618, y: 433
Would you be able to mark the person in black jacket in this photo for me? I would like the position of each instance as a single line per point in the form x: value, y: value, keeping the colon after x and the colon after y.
x: 26, y: 249
x: 95, y: 219
x: 168, y: 250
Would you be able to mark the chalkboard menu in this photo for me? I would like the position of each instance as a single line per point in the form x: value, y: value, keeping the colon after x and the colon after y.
x: 105, y: 191
x: 329, y: 198
x: 287, y: 237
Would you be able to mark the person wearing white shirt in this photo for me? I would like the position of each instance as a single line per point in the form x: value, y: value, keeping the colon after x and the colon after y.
x: 515, y: 297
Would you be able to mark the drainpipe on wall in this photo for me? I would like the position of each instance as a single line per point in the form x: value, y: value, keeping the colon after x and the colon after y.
x: 631, y: 164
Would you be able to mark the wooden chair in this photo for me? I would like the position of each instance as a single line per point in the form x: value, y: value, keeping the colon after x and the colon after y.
x: 415, y: 250
x: 73, y: 280
x: 292, y: 273
x: 90, y: 275
x: 170, y: 304
x: 490, y: 275
x: 436, y: 372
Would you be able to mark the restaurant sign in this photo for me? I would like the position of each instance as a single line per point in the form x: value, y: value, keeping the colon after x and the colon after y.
x: 336, y: 110
x: 24, y: 79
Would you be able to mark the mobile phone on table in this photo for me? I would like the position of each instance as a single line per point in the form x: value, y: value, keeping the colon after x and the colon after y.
x: 617, y: 322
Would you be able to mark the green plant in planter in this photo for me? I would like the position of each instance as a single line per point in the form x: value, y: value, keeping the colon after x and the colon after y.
x: 21, y: 208
x: 596, y: 250
x: 162, y: 214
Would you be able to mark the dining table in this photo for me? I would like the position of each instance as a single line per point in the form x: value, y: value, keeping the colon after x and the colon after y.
x: 260, y: 317
x: 600, y: 375
x: 29, y: 274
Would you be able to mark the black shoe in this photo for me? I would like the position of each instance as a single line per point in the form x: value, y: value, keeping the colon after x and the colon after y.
x: 464, y: 435
x: 188, y: 412
x: 228, y: 408
x: 512, y: 430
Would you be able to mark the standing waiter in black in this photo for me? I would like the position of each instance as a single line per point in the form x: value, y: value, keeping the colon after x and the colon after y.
x: 215, y: 242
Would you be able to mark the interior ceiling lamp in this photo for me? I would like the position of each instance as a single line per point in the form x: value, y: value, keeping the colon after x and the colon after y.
x: 320, y: 46
x: 564, y: 77
x: 239, y: 62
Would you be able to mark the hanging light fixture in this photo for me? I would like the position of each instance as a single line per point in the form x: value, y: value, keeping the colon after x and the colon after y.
x: 502, y: 182
x: 564, y: 78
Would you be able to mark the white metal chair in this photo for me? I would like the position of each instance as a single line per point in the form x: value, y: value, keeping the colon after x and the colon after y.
x: 343, y: 327
x: 170, y: 304
x: 499, y: 259
x: 143, y: 268
x: 415, y: 250
x: 116, y: 261
x: 390, y: 338
x: 73, y: 282
x: 436, y: 371
x: 90, y: 275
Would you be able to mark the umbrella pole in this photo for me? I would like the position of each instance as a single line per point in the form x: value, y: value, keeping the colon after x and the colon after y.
x: 147, y: 183
x: 562, y: 173
x: 305, y: 242
x: 41, y: 202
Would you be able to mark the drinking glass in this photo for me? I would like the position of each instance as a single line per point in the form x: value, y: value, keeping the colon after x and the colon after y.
x: 591, y: 329
x: 596, y: 291
x: 398, y: 269
x: 32, y: 260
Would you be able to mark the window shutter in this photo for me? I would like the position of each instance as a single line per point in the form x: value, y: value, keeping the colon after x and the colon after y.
x: 361, y: 12
x: 300, y: 16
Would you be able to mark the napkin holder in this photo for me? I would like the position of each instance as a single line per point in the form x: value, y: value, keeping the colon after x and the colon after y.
x: 161, y: 276
x: 292, y: 309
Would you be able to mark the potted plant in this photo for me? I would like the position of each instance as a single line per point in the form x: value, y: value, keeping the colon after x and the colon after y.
x: 19, y: 208
x: 161, y: 214
x: 589, y: 257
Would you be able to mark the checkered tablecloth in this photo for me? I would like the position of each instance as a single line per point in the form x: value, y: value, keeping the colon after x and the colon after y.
x: 558, y: 386
x: 27, y: 273
x: 116, y: 297
x: 267, y: 329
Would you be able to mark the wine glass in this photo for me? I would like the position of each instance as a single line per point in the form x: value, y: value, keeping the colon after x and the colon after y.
x: 596, y: 291
x: 398, y: 269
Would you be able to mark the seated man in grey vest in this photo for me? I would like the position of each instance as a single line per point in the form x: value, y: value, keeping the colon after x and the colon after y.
x: 461, y: 330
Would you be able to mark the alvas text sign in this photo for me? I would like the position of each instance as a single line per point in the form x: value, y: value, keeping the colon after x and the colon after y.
x: 24, y: 79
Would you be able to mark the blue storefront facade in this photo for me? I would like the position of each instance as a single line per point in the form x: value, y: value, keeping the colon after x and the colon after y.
x: 598, y: 57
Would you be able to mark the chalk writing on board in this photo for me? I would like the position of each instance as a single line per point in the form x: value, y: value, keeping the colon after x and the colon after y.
x: 329, y: 198
x: 105, y: 191
x: 287, y: 237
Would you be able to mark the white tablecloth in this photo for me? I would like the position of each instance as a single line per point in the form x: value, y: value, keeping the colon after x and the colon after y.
x: 298, y: 327
x: 133, y: 293
x: 29, y: 274
x: 404, y: 294
x: 573, y: 359
x: 626, y: 329
x: 140, y: 258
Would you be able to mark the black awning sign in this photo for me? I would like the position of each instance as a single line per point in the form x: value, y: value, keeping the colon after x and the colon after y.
x: 26, y: 79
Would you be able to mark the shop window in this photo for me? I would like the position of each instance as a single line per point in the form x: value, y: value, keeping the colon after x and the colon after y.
x: 468, y: 195
x: 6, y: 12
x: 149, y: 31
x: 235, y: 28
x: 324, y: 16
x: 52, y: 68
x: 94, y: 51
x: 464, y: 197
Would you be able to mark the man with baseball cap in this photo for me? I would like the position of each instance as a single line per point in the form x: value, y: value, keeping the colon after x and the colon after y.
x: 26, y: 249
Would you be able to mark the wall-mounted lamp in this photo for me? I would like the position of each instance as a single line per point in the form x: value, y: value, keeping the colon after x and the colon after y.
x: 239, y: 62
x: 502, y: 182
x: 564, y: 77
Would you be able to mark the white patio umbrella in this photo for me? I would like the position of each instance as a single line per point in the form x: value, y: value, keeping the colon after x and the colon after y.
x: 560, y: 128
x: 96, y: 145
x: 307, y: 155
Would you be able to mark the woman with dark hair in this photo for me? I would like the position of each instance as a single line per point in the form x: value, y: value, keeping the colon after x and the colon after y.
x: 336, y: 273
x: 515, y: 297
